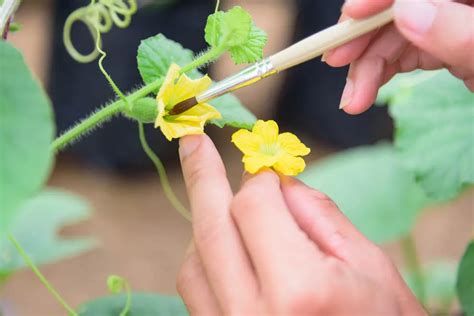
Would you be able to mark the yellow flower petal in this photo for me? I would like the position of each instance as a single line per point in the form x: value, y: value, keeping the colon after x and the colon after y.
x: 268, y: 130
x: 292, y: 145
x: 186, y: 88
x: 253, y: 163
x: 175, y: 89
x: 289, y: 165
x: 161, y: 113
x: 167, y: 88
x: 248, y: 142
x: 200, y: 112
x: 179, y: 129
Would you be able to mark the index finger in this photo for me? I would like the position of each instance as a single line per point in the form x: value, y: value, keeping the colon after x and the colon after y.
x: 217, y: 240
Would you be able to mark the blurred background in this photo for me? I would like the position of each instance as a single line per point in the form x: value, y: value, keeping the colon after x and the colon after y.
x: 142, y: 237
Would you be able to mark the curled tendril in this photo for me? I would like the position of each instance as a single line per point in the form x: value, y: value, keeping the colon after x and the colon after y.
x: 99, y: 17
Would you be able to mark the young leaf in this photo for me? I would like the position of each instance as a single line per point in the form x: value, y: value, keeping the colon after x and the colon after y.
x: 44, y: 214
x: 157, y: 53
x: 234, y: 30
x: 143, y: 304
x: 465, y: 280
x: 26, y: 132
x: 233, y: 113
x: 229, y: 28
x: 434, y: 117
x: 115, y: 284
x: 372, y: 189
x: 252, y: 51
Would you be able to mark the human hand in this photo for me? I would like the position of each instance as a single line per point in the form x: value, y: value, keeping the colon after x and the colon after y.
x: 428, y: 34
x: 277, y: 248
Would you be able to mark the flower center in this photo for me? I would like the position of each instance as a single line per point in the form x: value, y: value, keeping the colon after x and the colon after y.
x: 270, y: 149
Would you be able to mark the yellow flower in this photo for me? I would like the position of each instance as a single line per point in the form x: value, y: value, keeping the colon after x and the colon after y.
x: 264, y: 147
x: 177, y: 88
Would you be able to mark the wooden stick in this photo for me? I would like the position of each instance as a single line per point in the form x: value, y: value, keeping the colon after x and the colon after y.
x: 328, y: 39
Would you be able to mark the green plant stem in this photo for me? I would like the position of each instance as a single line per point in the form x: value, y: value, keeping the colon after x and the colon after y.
x: 413, y: 266
x: 41, y: 277
x: 102, y: 115
x: 162, y: 173
x: 128, y: 302
x: 210, y: 56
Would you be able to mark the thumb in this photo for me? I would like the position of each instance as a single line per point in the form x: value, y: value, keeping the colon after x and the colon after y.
x: 442, y: 28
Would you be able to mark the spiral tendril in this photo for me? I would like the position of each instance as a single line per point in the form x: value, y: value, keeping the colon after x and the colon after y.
x: 99, y: 17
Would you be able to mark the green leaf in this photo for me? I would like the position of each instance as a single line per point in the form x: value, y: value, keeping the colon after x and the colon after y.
x: 235, y: 30
x: 233, y: 113
x: 465, y: 280
x: 36, y: 225
x: 143, y: 304
x: 440, y: 280
x: 229, y: 28
x: 372, y: 189
x: 252, y: 50
x: 26, y: 132
x: 401, y: 86
x: 157, y: 53
x: 434, y: 115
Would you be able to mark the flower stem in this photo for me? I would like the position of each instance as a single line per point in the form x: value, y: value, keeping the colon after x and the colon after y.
x: 413, y: 266
x: 41, y: 277
x: 102, y: 115
x: 162, y: 173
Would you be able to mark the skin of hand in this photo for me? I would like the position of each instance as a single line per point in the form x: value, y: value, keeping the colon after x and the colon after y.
x: 427, y: 34
x: 277, y: 247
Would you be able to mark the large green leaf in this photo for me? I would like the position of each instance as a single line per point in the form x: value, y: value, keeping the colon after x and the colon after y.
x: 26, y: 132
x: 372, y: 189
x: 157, y: 53
x: 465, y: 280
x: 434, y: 119
x: 143, y: 304
x: 233, y: 112
x: 440, y: 281
x: 36, y: 225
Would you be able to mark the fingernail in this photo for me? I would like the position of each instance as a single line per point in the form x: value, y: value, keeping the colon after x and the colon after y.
x: 188, y: 144
x: 347, y: 94
x: 324, y: 57
x: 417, y: 16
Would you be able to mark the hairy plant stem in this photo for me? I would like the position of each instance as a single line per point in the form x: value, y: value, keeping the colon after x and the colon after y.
x: 41, y: 277
x: 413, y: 266
x: 211, y: 55
x: 163, y: 176
x: 102, y: 115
